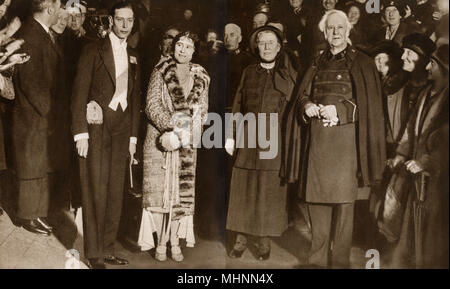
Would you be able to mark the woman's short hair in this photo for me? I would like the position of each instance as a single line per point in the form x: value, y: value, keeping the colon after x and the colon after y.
x: 188, y: 34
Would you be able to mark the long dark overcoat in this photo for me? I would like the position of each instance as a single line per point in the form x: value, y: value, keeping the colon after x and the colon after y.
x: 41, y: 108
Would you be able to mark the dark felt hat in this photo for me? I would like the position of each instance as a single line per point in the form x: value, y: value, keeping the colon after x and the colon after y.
x: 420, y: 44
x: 389, y: 47
x: 252, y: 43
x: 399, y: 4
x: 441, y: 56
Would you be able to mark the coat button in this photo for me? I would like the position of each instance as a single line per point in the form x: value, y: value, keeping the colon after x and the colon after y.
x: 339, y: 77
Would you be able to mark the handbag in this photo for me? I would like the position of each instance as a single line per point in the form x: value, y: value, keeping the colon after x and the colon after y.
x: 391, y: 217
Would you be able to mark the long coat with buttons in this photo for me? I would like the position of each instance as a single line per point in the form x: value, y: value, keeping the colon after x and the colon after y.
x: 370, y: 131
x: 258, y: 197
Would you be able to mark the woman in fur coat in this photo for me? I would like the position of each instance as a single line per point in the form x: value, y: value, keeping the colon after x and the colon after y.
x: 177, y: 105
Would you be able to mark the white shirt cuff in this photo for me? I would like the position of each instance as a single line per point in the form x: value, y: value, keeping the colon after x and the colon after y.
x: 133, y: 140
x: 2, y: 82
x: 81, y: 136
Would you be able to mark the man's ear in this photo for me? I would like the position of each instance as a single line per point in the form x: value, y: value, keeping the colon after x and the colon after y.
x: 240, y: 39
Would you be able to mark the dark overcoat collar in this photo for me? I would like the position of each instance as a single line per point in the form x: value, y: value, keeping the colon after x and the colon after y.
x: 40, y: 33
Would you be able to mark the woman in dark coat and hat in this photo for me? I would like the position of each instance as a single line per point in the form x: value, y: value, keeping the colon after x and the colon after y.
x: 257, y: 203
x: 423, y: 151
x: 387, y: 55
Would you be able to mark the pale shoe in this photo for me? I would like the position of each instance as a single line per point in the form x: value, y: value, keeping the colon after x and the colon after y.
x: 177, y: 256
x: 161, y: 254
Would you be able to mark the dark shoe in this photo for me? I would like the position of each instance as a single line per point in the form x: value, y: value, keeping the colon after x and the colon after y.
x: 239, y: 247
x: 113, y: 260
x: 236, y: 253
x: 45, y: 224
x: 263, y: 252
x: 96, y: 264
x: 35, y: 227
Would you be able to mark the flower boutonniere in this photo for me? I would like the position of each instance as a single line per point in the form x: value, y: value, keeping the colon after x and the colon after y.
x: 133, y: 60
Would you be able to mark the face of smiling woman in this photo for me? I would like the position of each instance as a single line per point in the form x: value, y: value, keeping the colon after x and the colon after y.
x: 184, y: 49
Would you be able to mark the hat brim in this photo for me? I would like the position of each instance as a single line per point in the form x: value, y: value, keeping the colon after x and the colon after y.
x: 252, y: 43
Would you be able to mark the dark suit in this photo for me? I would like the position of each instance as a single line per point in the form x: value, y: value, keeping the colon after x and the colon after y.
x: 103, y: 171
x: 36, y: 128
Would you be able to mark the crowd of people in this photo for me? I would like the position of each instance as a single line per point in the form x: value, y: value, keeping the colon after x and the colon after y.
x: 361, y: 101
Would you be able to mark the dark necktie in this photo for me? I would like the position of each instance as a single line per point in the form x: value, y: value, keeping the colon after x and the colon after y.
x: 52, y: 36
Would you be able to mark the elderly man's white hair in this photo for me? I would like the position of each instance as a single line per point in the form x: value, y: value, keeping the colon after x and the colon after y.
x: 323, y: 23
x: 234, y: 27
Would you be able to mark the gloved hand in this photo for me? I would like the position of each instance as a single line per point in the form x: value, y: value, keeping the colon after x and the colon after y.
x: 328, y: 112
x: 229, y: 146
x: 312, y: 110
x: 94, y: 113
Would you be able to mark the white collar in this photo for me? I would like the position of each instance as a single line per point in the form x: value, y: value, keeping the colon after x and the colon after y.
x: 267, y: 66
x: 116, y: 42
x: 46, y: 28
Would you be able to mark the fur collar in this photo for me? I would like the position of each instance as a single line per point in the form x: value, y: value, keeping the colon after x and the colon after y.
x: 201, y: 82
x: 394, y: 82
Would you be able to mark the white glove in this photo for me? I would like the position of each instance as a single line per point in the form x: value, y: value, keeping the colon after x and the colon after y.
x: 229, y: 146
x: 312, y: 110
x: 94, y: 113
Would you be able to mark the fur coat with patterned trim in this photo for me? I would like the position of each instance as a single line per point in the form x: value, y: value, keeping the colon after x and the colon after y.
x: 165, y: 98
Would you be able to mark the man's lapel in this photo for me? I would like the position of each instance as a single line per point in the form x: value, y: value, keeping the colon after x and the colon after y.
x: 106, y: 54
x: 132, y: 64
x: 40, y: 32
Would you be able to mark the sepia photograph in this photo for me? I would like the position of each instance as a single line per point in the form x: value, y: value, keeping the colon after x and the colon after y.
x: 230, y: 135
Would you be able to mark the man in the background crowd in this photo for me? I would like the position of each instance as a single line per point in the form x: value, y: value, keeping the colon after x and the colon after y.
x: 345, y: 128
x: 295, y: 20
x: 237, y: 60
x: 36, y: 147
x: 393, y: 13
x: 261, y: 16
x: 78, y: 16
x: 105, y: 119
x: 423, y: 150
x: 165, y: 45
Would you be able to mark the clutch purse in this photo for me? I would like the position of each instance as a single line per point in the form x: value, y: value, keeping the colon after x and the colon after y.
x: 94, y: 114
